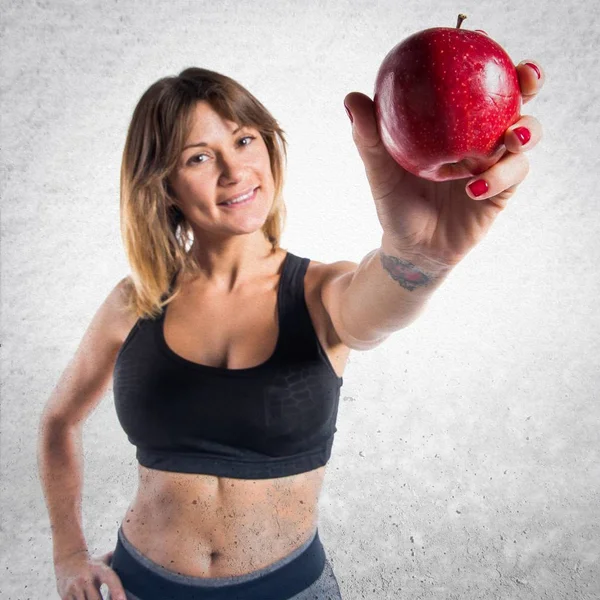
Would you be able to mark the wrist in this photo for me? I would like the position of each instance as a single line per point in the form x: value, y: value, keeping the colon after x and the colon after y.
x: 59, y: 558
x: 431, y: 268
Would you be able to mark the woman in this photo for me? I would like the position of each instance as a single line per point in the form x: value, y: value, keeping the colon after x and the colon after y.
x: 227, y: 352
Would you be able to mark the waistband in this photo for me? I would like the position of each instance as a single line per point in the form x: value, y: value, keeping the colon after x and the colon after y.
x: 278, y: 581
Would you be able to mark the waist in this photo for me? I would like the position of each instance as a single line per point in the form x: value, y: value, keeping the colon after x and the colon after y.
x: 208, y: 526
x: 284, y: 578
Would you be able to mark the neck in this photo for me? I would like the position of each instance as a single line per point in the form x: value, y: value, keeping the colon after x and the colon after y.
x: 231, y: 262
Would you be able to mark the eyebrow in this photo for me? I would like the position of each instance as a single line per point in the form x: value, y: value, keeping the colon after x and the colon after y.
x: 205, y: 144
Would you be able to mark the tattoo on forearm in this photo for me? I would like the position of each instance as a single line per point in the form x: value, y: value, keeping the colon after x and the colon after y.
x: 404, y: 272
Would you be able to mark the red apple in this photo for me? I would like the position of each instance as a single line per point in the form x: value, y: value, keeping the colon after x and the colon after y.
x: 443, y: 99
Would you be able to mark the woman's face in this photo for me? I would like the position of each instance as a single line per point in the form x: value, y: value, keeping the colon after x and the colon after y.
x: 221, y: 161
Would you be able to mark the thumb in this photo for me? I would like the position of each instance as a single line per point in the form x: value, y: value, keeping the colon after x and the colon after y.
x: 365, y: 133
x: 110, y: 579
x: 364, y: 123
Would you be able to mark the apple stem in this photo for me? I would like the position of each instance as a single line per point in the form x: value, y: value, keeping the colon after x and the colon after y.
x: 461, y: 18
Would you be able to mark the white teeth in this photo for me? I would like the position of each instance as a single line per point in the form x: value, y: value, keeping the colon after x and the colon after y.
x: 240, y: 199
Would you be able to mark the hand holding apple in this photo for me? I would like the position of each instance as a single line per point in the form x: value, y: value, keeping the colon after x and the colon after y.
x: 439, y: 222
x: 443, y: 99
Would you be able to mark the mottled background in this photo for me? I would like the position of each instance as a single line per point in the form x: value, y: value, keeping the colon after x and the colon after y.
x: 466, y: 460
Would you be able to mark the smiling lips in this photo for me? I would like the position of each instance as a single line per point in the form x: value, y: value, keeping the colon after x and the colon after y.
x: 241, y: 199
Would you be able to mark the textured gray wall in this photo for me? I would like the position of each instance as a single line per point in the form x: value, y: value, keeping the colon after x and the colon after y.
x: 466, y: 461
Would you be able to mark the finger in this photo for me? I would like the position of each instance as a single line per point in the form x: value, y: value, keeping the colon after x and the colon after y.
x: 380, y: 167
x: 362, y: 115
x: 107, y: 577
x: 115, y: 587
x: 79, y: 592
x: 523, y: 135
x: 531, y: 79
x: 508, y: 172
x: 91, y: 593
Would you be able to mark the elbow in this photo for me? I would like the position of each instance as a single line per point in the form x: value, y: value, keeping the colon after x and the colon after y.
x: 362, y: 345
x: 52, y: 430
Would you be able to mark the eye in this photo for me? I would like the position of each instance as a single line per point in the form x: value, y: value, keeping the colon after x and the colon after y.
x: 193, y: 159
x: 246, y: 137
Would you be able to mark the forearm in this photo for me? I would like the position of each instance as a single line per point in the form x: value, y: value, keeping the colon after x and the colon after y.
x: 389, y: 291
x: 60, y: 464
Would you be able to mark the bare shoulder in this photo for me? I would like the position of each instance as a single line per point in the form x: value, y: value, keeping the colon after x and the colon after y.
x: 326, y: 284
x: 115, y: 312
x: 327, y: 276
x: 321, y: 274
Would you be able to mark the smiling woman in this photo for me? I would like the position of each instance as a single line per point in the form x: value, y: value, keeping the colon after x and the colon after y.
x: 231, y: 396
x: 232, y: 153
x: 166, y: 130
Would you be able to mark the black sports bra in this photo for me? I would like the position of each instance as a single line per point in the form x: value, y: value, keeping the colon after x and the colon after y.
x: 271, y: 420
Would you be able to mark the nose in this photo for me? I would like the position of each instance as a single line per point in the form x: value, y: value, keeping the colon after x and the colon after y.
x: 232, y: 168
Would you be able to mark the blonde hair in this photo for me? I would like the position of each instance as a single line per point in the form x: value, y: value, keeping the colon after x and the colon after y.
x: 155, y: 233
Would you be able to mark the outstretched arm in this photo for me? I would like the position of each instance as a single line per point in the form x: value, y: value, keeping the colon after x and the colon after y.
x: 428, y: 227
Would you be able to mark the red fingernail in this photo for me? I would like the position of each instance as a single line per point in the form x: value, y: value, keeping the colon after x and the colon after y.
x: 536, y: 69
x: 523, y: 134
x: 479, y: 187
x: 349, y: 113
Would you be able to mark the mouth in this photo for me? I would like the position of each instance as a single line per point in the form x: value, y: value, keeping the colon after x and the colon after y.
x: 240, y: 200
